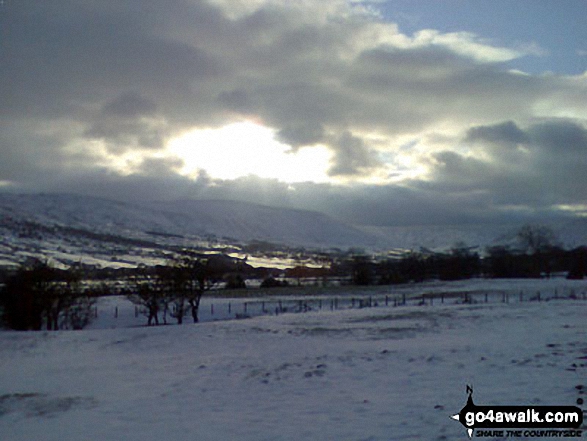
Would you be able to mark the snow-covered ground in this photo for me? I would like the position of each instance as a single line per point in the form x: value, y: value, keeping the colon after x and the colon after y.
x: 386, y: 373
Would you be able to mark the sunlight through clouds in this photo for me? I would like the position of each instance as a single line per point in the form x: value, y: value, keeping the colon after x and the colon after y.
x: 246, y: 148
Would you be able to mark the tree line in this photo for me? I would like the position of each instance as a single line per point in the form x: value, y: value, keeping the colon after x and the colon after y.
x: 38, y: 296
x: 534, y: 254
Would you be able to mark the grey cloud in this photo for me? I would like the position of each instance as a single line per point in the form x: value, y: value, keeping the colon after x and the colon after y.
x: 507, y: 133
x: 160, y: 167
x: 353, y: 157
x: 560, y: 136
x: 301, y: 135
x: 130, y: 105
x: 548, y: 171
x: 121, y: 136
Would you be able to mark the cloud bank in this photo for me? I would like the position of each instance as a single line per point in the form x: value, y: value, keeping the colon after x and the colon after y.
x: 427, y: 128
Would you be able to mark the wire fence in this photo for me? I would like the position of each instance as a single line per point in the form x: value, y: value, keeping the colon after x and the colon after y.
x: 216, y: 308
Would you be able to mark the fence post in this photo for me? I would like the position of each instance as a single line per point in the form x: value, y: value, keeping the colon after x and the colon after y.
x: 386, y: 301
x: 116, y: 312
x: 245, y: 305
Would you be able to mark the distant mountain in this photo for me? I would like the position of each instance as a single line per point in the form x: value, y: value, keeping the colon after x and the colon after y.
x: 65, y: 226
x: 72, y: 228
x: 568, y: 233
x: 245, y: 221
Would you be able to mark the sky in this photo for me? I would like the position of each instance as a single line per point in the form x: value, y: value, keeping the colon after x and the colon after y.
x: 403, y: 112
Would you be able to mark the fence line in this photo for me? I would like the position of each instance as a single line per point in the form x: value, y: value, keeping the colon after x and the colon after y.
x: 239, y: 309
x: 252, y: 308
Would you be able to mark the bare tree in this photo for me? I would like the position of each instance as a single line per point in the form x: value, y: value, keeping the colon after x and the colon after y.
x: 176, y: 288
x: 148, y: 294
x: 536, y: 238
x: 39, y: 295
x: 198, y: 274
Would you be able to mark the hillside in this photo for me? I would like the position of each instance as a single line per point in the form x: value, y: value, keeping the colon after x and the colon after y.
x: 99, y: 231
x: 73, y: 228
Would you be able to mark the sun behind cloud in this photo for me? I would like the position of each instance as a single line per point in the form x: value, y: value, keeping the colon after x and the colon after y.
x: 247, y: 148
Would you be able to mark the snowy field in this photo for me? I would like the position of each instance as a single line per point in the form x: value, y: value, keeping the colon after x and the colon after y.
x: 386, y: 373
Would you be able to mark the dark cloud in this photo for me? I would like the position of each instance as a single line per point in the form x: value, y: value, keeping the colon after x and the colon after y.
x: 548, y: 168
x: 130, y: 105
x: 560, y: 137
x: 301, y: 135
x: 353, y: 157
x: 504, y: 133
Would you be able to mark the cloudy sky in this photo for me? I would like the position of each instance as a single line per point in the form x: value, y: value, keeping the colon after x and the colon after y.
x: 382, y: 113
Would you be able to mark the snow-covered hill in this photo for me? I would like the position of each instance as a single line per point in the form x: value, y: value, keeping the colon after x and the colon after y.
x: 567, y: 233
x: 246, y: 221
x: 71, y: 227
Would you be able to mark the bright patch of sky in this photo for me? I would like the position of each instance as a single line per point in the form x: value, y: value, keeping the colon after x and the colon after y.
x: 555, y: 32
x: 245, y: 148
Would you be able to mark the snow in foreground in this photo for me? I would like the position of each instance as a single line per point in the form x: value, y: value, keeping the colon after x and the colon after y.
x: 370, y: 374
